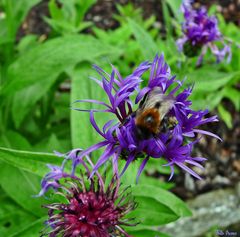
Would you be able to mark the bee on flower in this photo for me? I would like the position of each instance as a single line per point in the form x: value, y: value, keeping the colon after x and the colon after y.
x: 163, y: 125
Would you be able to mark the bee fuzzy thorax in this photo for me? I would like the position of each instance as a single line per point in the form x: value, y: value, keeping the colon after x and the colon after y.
x: 151, y: 111
x: 148, y: 122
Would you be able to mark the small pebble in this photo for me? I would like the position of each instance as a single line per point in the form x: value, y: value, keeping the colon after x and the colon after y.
x: 221, y: 180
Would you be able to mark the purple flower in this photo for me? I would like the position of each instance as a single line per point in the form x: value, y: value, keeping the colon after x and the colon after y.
x: 160, y: 76
x: 179, y: 154
x: 52, y: 179
x: 176, y: 132
x: 201, y: 32
x: 118, y: 90
x: 91, y: 208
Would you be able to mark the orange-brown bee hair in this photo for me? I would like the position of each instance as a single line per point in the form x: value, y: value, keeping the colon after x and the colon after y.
x: 149, y: 120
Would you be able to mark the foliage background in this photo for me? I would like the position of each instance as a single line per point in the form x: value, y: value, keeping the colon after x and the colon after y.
x: 41, y: 75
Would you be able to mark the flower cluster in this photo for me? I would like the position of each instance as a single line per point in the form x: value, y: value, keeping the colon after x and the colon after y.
x: 161, y: 126
x: 176, y: 134
x: 91, y: 208
x: 201, y: 32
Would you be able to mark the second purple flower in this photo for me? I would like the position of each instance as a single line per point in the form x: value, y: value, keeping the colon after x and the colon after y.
x: 201, y: 32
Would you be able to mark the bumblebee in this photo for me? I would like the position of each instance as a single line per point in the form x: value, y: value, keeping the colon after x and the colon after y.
x: 150, y: 117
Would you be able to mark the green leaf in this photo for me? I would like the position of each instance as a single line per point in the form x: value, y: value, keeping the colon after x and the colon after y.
x: 81, y: 129
x: 225, y: 115
x: 82, y: 8
x: 21, y: 186
x: 16, y: 11
x: 147, y: 45
x: 163, y: 197
x: 27, y: 43
x: 12, y: 217
x: 53, y: 142
x: 156, y: 207
x: 32, y: 229
x: 151, y: 212
x: 82, y: 133
x: 12, y: 139
x: 30, y: 94
x: 209, y: 101
x: 208, y: 80
x: 68, y: 18
x: 36, y: 71
x: 175, y: 6
x: 33, y: 162
x: 213, y: 99
x: 55, y: 11
x: 233, y: 95
x: 167, y: 19
x: 157, y: 182
x: 157, y: 165
x: 146, y: 233
x: 210, y: 86
x: 117, y: 37
x: 130, y: 175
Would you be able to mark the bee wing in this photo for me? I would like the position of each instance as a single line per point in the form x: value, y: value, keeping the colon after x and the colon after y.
x: 166, y: 105
x: 156, y: 99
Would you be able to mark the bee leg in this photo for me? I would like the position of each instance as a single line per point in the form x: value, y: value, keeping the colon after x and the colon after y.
x: 164, y: 125
x: 142, y: 133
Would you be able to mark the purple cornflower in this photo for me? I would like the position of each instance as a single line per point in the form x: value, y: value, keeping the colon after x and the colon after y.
x: 118, y: 90
x: 90, y: 209
x: 201, y: 32
x: 176, y: 134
